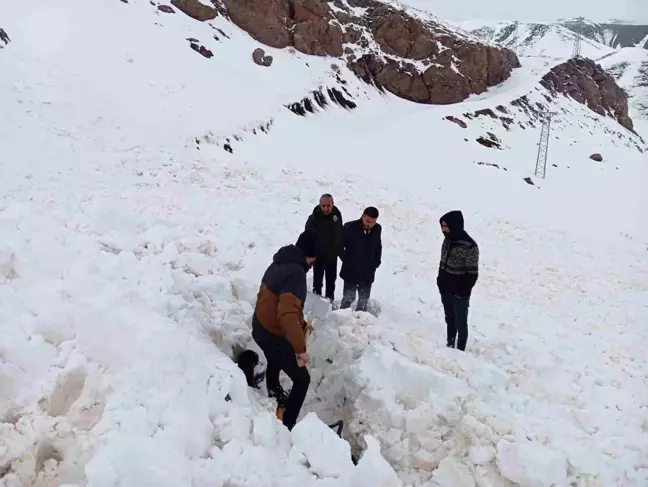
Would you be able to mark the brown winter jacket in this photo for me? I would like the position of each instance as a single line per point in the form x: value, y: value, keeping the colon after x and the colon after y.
x: 280, y: 302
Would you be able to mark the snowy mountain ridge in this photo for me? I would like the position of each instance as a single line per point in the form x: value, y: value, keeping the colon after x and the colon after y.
x: 615, y: 35
x: 145, y: 187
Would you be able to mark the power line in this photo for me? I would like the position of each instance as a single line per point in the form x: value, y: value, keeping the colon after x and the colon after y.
x: 576, y: 53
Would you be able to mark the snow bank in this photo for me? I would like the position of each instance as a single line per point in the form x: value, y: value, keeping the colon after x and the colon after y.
x: 133, y: 243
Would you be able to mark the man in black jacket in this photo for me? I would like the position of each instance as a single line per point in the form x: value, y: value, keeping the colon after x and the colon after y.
x: 361, y: 255
x: 326, y: 220
x: 458, y: 273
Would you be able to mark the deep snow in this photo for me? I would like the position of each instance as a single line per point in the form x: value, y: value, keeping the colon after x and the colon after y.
x: 131, y: 255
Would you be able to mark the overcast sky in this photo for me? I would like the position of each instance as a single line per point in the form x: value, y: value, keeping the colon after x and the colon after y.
x: 530, y: 10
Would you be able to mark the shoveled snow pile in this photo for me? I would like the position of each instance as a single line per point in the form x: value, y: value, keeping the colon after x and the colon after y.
x: 145, y: 189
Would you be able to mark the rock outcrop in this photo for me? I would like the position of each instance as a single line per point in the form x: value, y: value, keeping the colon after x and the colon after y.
x: 196, y: 10
x: 588, y: 83
x: 4, y: 37
x: 260, y: 58
x: 413, y: 57
x: 597, y: 157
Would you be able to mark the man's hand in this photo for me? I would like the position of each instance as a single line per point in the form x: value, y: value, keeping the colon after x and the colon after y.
x: 302, y: 359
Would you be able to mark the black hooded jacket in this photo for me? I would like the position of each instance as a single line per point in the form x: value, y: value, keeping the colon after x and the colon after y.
x: 459, y: 266
x: 329, y: 228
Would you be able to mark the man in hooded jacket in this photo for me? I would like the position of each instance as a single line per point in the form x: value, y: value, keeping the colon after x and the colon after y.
x: 458, y: 273
x: 278, y: 325
x: 326, y: 220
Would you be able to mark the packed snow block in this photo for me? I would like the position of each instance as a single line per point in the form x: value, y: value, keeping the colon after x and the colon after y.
x: 316, y: 306
x: 327, y: 454
x: 130, y: 460
x: 531, y: 464
x: 372, y: 469
x: 68, y: 389
x: 453, y: 473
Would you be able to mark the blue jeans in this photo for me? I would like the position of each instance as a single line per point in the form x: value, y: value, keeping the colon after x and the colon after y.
x: 456, y: 318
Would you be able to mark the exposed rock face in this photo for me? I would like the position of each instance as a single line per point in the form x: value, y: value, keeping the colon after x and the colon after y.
x: 588, y: 83
x: 195, y: 9
x: 260, y: 58
x: 458, y: 121
x: 597, y: 157
x: 416, y: 59
x: 4, y: 37
x: 167, y: 9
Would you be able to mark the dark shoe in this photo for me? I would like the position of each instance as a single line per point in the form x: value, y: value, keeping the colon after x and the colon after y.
x: 280, y: 395
x: 450, y: 345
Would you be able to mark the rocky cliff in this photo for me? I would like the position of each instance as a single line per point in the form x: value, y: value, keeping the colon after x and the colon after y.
x: 588, y: 83
x: 410, y: 55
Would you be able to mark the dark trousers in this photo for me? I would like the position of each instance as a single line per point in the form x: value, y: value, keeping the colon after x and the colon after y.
x: 349, y: 295
x: 281, y: 356
x: 456, y: 317
x: 325, y: 268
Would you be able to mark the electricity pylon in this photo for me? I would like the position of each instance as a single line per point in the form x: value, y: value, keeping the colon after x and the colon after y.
x: 576, y: 53
x: 543, y: 146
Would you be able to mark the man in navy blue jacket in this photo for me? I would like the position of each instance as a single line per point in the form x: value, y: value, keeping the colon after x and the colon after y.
x: 361, y: 255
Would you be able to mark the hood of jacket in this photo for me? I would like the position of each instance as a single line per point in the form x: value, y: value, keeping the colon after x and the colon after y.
x: 290, y: 254
x: 455, y: 221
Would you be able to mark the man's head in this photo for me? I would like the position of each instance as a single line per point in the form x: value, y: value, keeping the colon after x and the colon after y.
x: 309, y: 243
x: 452, y: 223
x: 369, y: 217
x: 326, y: 204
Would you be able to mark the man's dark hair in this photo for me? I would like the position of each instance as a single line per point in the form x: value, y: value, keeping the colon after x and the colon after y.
x: 371, y: 212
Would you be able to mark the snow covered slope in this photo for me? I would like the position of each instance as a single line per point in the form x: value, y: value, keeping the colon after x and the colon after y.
x: 143, y: 190
x: 630, y: 68
x: 552, y: 40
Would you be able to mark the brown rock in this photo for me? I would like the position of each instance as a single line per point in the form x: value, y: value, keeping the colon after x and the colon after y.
x: 458, y: 121
x: 202, y: 50
x: 351, y: 36
x: 597, y: 157
x: 260, y: 58
x: 318, y: 37
x: 267, y: 21
x: 448, y: 67
x: 167, y: 9
x: 195, y: 9
x: 397, y: 33
x: 587, y: 82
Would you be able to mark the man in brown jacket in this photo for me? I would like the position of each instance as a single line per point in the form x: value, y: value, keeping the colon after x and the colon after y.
x: 278, y: 325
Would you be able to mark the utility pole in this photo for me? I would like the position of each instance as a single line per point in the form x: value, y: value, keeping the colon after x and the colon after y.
x: 516, y: 36
x: 543, y: 146
x: 576, y: 53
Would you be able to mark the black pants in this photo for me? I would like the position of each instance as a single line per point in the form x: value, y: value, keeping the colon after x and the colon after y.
x: 325, y: 268
x: 281, y: 356
x: 349, y: 294
x: 456, y: 317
